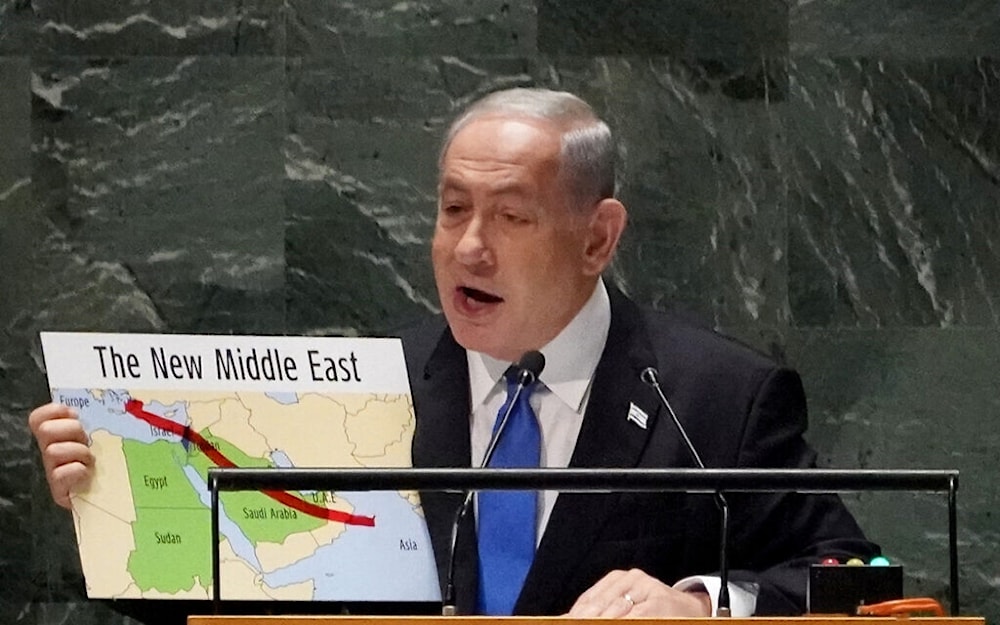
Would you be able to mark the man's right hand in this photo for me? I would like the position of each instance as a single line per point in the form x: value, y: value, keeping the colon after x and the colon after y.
x: 67, y: 458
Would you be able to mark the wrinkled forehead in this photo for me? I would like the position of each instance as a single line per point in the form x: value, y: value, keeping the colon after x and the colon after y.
x: 508, y: 131
x: 503, y: 144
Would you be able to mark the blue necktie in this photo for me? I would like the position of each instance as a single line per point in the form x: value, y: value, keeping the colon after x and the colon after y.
x: 507, y: 519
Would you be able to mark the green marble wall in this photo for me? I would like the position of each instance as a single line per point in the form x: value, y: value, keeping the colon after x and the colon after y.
x: 820, y: 178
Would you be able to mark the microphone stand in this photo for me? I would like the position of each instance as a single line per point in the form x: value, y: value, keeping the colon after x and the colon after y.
x: 651, y: 379
x: 448, y: 607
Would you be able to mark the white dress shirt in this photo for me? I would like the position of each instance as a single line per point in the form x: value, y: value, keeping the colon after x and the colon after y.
x: 559, y: 398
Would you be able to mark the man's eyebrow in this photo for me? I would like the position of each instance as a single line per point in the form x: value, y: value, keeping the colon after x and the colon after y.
x: 510, y: 187
x: 452, y: 183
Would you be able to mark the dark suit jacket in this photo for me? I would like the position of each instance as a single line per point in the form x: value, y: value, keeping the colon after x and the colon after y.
x: 739, y: 409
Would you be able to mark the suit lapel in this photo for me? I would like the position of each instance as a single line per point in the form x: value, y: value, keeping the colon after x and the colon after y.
x: 608, y: 438
x: 440, y: 388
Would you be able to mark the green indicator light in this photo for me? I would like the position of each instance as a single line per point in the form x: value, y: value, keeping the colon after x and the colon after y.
x: 879, y: 561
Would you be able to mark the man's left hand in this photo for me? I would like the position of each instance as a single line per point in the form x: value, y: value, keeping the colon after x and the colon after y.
x: 633, y: 593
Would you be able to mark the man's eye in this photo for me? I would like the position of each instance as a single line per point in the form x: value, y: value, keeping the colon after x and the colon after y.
x: 514, y: 218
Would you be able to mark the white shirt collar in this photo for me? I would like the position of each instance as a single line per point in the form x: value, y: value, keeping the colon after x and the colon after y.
x: 570, y: 358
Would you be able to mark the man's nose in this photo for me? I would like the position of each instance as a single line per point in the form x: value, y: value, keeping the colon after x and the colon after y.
x: 472, y: 247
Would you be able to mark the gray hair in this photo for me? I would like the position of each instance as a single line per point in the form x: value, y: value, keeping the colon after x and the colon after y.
x: 587, y: 156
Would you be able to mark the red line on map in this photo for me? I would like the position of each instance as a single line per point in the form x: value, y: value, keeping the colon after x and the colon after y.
x: 135, y: 408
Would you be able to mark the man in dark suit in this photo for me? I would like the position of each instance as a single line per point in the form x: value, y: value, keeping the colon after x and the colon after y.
x: 527, y: 222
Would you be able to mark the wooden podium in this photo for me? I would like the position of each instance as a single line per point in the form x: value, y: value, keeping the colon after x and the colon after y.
x: 555, y: 620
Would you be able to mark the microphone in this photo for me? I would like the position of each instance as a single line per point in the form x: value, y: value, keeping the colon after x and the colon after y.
x: 528, y: 368
x: 651, y: 379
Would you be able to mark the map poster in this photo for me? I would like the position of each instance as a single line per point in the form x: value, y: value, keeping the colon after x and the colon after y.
x: 160, y: 410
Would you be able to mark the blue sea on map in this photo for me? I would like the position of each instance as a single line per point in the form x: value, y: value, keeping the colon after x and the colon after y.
x: 108, y: 414
x: 281, y: 459
x: 238, y: 541
x: 364, y: 553
x: 284, y: 398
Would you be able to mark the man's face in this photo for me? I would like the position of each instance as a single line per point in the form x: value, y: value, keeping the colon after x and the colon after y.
x: 509, y: 252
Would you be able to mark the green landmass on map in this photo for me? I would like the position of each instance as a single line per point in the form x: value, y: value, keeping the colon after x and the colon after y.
x: 173, y: 550
x: 172, y: 529
x: 261, y: 518
x: 172, y: 526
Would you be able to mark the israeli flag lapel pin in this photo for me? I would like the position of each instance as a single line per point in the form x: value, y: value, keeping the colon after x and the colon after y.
x: 637, y: 415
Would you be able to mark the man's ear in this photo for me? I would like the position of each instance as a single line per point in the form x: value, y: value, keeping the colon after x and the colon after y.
x: 607, y: 222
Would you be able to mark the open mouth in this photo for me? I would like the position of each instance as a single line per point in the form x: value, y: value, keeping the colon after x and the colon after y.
x: 480, y: 296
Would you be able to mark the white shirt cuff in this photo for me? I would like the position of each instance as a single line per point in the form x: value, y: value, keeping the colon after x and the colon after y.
x: 742, y: 595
